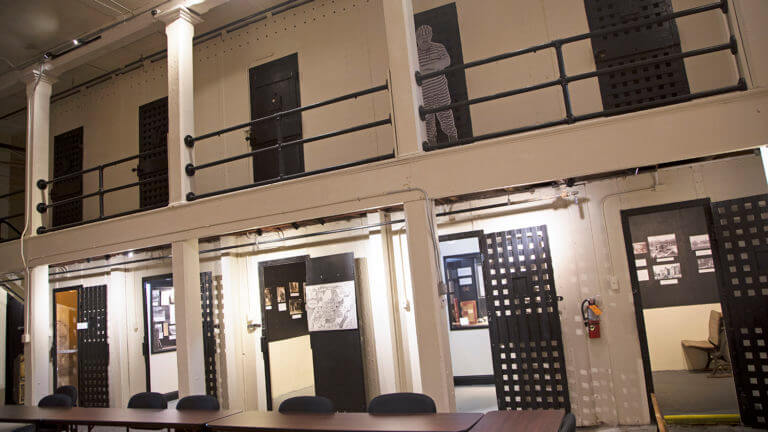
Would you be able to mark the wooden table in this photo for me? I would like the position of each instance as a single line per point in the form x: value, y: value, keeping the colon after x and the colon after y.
x: 510, y: 421
x: 345, y: 422
x: 135, y: 418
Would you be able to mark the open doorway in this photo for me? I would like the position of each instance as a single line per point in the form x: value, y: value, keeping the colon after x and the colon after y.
x: 65, y: 337
x: 672, y: 261
x: 160, y: 335
x: 470, y: 343
x: 13, y: 321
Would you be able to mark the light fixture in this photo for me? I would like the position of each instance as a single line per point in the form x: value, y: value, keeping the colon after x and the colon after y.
x: 76, y: 42
x: 130, y: 254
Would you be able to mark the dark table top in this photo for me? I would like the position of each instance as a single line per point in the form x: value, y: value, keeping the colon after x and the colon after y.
x: 111, y: 416
x: 346, y: 422
x: 511, y: 421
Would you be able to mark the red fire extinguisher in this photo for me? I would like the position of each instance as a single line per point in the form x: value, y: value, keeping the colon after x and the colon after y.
x: 590, y: 312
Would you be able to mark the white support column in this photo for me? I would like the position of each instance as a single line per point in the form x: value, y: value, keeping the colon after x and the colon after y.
x: 37, y: 336
x: 403, y: 64
x: 189, y: 326
x: 39, y: 82
x: 429, y: 305
x: 233, y: 325
x: 180, y: 29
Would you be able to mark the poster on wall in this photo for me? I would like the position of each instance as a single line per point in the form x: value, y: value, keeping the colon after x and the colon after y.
x: 667, y: 273
x: 331, y: 306
x: 640, y: 248
x: 295, y: 308
x: 438, y: 44
x: 699, y: 242
x: 663, y: 247
x: 706, y: 264
x: 267, y: 298
x: 163, y: 318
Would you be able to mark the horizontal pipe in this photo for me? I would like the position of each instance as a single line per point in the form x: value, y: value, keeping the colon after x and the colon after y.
x: 42, y: 230
x: 102, y: 166
x: 193, y: 197
x: 10, y: 194
x: 136, y: 261
x: 4, y: 218
x: 10, y: 225
x: 104, y: 192
x: 603, y: 71
x: 292, y: 111
x: 559, y: 42
x: 295, y: 142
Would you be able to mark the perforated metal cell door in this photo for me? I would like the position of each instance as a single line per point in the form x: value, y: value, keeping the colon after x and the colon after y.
x: 637, y: 85
x: 523, y: 319
x: 209, y: 333
x: 67, y: 159
x: 92, y: 347
x: 741, y: 229
x: 153, y: 167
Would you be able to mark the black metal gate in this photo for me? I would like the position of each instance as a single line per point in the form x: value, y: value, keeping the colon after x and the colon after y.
x: 153, y: 136
x: 67, y: 158
x: 741, y: 229
x: 524, y: 324
x: 209, y: 335
x: 92, y: 347
x: 642, y: 84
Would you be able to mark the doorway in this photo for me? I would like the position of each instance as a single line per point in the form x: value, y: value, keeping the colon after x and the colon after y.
x: 160, y: 335
x: 65, y: 337
x: 672, y: 260
x: 152, y: 169
x: 14, y: 351
x: 275, y: 88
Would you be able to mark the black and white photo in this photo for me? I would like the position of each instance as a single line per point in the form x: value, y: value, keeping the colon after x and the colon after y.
x: 706, y: 264
x: 662, y: 246
x: 699, y: 242
x: 667, y: 271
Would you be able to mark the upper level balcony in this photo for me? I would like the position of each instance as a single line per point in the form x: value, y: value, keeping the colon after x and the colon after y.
x: 294, y: 89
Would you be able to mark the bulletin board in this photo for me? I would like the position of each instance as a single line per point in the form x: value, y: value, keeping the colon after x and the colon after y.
x: 163, y: 319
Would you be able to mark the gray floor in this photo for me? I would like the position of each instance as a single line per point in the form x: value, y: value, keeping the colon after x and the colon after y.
x: 476, y: 398
x: 684, y: 392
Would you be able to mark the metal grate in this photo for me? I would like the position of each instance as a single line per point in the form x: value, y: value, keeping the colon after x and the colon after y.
x: 153, y: 135
x: 209, y: 335
x: 741, y: 228
x: 643, y: 84
x: 92, y: 347
x: 67, y: 158
x: 524, y: 324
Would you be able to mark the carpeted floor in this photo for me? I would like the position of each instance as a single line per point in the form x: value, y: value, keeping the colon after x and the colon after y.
x: 684, y: 392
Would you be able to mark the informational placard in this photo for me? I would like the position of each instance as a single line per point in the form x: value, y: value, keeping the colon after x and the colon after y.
x: 331, y: 306
x: 163, y: 319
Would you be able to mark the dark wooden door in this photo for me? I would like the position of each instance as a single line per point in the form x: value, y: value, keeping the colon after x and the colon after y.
x: 153, y: 167
x: 275, y: 88
x: 67, y: 159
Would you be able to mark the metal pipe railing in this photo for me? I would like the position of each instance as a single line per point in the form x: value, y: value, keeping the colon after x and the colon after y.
x: 10, y: 194
x: 190, y: 141
x: 563, y: 79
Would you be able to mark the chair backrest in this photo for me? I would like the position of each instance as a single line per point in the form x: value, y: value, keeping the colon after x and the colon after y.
x: 55, y: 400
x: 568, y: 424
x: 148, y: 400
x: 68, y: 390
x: 402, y: 403
x: 198, y: 402
x: 307, y: 404
x: 715, y: 321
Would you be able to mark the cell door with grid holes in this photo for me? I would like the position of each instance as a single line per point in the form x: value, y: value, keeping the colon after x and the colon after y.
x: 92, y: 347
x: 741, y: 229
x: 524, y: 324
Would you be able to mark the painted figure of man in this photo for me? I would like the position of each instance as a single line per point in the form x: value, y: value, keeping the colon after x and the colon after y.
x: 434, y: 57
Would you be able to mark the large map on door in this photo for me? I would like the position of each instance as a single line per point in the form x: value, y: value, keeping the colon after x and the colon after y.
x: 331, y: 306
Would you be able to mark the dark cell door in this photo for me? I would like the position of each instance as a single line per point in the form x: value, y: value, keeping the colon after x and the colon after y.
x: 209, y: 333
x: 67, y: 159
x: 14, y: 350
x: 275, y: 88
x: 644, y: 84
x: 524, y: 323
x: 92, y: 347
x: 741, y: 228
x: 153, y: 167
x: 337, y: 354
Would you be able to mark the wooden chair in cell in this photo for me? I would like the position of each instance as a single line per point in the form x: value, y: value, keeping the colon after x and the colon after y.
x: 715, y: 347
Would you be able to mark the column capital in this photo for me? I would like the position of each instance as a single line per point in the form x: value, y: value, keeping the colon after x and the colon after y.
x: 42, y: 73
x: 173, y: 15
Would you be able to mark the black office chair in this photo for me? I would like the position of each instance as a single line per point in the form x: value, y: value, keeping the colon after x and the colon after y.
x: 402, y: 403
x: 68, y: 390
x: 307, y: 404
x: 568, y: 424
x: 147, y: 400
x: 198, y: 403
x: 56, y: 401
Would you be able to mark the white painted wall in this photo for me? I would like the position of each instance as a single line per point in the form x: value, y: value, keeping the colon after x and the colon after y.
x: 666, y: 327
x: 291, y: 367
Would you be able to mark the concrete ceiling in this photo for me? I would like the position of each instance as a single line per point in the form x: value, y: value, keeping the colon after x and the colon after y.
x: 38, y: 26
